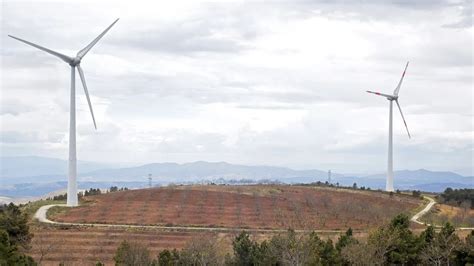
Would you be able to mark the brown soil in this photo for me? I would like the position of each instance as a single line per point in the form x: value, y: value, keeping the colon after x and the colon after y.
x: 86, y: 246
x: 264, y: 207
x: 275, y: 207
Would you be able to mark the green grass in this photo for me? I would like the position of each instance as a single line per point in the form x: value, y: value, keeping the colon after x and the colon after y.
x: 31, y: 207
x: 53, y: 211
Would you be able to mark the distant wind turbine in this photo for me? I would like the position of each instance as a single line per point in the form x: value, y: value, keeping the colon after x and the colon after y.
x: 73, y: 62
x: 391, y: 98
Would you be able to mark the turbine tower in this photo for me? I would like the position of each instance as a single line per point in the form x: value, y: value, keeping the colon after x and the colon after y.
x: 392, y: 98
x: 73, y: 62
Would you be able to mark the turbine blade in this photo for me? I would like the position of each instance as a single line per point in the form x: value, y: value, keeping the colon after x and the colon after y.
x: 86, y: 49
x: 65, y: 58
x: 381, y: 94
x: 397, y: 89
x: 399, y: 108
x: 83, y: 79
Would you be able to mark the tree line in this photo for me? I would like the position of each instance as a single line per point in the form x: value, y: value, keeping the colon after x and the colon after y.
x: 391, y: 244
x: 90, y: 192
x: 457, y: 197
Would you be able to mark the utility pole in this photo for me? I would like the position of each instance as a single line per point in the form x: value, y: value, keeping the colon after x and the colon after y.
x: 149, y: 180
x: 329, y: 176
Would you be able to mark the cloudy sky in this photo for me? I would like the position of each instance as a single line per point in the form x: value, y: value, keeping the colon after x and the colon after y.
x: 279, y: 83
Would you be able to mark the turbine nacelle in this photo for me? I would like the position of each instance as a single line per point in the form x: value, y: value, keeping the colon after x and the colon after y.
x: 393, y: 98
x: 75, y: 61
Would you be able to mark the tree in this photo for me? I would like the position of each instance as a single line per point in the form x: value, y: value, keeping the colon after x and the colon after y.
x: 468, y: 256
x: 416, y: 193
x: 15, y: 223
x: 244, y: 249
x: 426, y: 237
x: 443, y: 248
x: 354, y: 186
x: 404, y: 247
x: 200, y: 251
x: 44, y: 246
x: 359, y: 254
x: 130, y: 254
x: 390, y: 244
x: 248, y: 252
x: 9, y: 254
x: 168, y: 258
x: 290, y: 249
x: 328, y: 253
x: 345, y: 240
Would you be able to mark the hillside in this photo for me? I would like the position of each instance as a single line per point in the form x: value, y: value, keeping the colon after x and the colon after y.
x: 210, y: 207
x: 264, y: 207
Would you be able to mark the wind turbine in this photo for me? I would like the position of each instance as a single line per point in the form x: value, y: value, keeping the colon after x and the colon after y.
x: 73, y: 62
x: 391, y: 98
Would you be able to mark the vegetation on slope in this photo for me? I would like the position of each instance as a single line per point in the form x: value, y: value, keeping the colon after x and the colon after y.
x: 391, y: 244
x: 15, y: 236
x: 463, y: 198
x: 250, y: 207
x: 455, y: 206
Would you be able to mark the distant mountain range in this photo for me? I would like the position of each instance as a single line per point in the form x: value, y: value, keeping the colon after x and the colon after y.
x: 25, y: 176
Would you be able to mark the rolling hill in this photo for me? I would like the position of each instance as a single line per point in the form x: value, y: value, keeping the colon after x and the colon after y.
x: 197, y: 211
x: 35, y: 176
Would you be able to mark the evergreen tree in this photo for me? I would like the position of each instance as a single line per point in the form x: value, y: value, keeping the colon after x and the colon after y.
x: 15, y: 223
x: 167, y: 258
x: 130, y: 254
x: 244, y: 249
x: 9, y: 254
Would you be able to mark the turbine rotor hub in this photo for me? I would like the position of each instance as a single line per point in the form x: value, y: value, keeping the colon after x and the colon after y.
x: 75, y: 61
x: 392, y: 98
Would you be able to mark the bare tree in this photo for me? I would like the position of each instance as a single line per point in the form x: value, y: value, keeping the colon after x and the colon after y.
x: 45, y: 245
x: 291, y: 248
x: 202, y: 250
x: 466, y: 207
x: 440, y: 251
x: 359, y: 254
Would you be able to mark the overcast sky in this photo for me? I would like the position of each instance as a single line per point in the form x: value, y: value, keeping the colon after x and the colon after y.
x: 244, y: 82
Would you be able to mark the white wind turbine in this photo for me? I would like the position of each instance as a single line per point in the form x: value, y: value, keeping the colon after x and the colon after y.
x: 391, y: 98
x: 73, y: 62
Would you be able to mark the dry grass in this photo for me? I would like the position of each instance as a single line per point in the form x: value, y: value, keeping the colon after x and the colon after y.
x: 278, y: 207
x: 259, y: 207
x: 442, y: 213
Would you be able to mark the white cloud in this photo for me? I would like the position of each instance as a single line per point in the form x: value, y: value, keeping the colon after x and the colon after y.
x: 276, y: 83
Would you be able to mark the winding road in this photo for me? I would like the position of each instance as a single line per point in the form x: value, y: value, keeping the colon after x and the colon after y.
x: 41, y: 216
x: 424, y: 211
